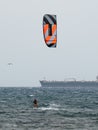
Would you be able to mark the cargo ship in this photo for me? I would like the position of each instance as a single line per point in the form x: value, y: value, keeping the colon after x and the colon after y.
x: 72, y: 83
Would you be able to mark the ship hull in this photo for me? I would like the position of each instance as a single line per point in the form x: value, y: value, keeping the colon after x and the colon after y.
x: 45, y: 83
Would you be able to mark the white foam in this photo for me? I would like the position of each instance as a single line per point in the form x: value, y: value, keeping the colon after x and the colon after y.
x: 52, y: 106
x: 31, y: 95
x: 48, y: 108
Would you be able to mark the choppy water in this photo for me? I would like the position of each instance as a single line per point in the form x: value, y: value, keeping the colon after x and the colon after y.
x: 59, y: 108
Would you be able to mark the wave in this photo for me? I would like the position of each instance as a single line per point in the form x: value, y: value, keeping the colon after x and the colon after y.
x: 51, y: 106
x: 2, y: 101
x: 48, y: 108
x: 31, y: 95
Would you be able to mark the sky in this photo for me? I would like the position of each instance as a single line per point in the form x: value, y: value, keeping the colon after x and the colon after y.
x: 22, y: 42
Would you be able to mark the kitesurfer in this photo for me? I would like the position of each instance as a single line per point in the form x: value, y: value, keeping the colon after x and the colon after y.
x: 35, y: 103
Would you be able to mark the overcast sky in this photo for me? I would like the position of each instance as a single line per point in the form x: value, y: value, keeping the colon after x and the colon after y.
x: 22, y: 43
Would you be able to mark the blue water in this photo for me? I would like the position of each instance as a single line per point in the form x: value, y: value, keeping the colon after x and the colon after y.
x: 59, y: 108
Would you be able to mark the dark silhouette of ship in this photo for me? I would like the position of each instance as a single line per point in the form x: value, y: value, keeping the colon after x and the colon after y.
x: 72, y: 83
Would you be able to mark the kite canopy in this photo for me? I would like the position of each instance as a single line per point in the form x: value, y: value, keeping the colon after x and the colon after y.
x: 50, y: 30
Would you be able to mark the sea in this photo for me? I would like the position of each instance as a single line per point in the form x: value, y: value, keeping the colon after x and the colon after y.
x: 69, y: 108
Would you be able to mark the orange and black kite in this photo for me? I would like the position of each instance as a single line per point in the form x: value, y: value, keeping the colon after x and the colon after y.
x: 50, y: 30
